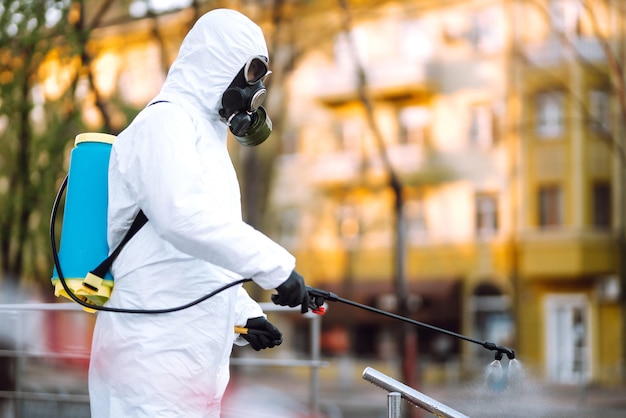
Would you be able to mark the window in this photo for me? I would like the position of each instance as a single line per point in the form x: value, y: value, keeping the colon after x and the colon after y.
x: 565, y: 15
x: 415, y: 42
x: 352, y: 135
x: 485, y: 32
x: 550, y: 206
x: 486, y: 215
x: 481, y: 126
x: 478, y: 30
x: 348, y: 136
x: 414, y: 124
x: 602, y: 212
x: 289, y: 227
x: 349, y: 227
x: 599, y: 111
x: 550, y: 109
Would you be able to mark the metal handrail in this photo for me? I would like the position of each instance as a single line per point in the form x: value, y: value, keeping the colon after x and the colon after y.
x: 413, y: 396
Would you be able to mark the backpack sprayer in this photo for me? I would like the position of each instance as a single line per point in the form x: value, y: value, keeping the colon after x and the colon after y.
x: 81, y: 269
x: 84, y: 244
x: 85, y: 252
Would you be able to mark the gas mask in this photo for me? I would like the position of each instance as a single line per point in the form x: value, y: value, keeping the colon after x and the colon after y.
x: 241, y: 103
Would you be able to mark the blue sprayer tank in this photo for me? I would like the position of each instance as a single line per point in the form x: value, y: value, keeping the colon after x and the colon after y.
x: 84, y: 233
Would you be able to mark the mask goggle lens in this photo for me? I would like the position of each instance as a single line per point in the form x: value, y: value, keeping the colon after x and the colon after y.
x: 256, y: 70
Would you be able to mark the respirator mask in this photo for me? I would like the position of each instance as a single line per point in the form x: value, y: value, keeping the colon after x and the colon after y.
x: 241, y: 103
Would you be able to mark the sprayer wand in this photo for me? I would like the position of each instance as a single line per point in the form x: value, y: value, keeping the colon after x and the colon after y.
x: 318, y: 297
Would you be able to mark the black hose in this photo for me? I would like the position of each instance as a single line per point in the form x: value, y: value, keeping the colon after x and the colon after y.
x: 70, y: 293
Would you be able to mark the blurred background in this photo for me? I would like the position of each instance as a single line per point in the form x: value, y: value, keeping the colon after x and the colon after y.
x: 458, y: 162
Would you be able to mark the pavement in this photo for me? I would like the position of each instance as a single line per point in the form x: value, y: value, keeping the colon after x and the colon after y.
x: 534, y: 400
x: 353, y: 398
x: 259, y: 392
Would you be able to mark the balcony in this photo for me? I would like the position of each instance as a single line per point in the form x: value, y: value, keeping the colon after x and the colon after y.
x: 567, y: 253
x: 390, y: 78
x: 348, y: 168
x: 338, y: 168
x: 404, y: 159
x: 555, y: 51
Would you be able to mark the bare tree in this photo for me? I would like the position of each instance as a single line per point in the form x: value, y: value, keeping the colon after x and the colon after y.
x: 407, y: 333
x: 29, y: 152
x: 36, y: 129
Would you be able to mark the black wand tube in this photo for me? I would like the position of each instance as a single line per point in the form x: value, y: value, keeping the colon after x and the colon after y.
x: 318, y: 295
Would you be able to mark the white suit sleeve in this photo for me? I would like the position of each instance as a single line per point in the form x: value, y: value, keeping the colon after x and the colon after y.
x: 245, y: 309
x: 184, y: 199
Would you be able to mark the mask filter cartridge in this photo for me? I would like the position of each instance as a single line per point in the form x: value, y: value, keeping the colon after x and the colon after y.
x: 241, y: 103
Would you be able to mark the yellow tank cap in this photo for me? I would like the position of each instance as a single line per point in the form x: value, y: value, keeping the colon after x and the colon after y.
x: 94, y: 137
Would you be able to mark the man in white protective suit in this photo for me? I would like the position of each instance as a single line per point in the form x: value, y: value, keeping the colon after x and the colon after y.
x: 172, y: 163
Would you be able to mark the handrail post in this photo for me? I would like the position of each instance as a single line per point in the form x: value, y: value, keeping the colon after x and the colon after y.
x: 316, y: 330
x: 394, y: 402
x: 20, y: 363
x: 413, y: 396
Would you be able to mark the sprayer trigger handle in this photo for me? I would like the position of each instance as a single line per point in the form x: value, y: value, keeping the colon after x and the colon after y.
x: 316, y: 303
x: 319, y: 311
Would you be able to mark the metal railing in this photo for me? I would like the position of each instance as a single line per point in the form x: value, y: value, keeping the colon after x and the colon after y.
x: 30, y: 363
x: 27, y: 397
x: 399, y: 390
x: 314, y: 363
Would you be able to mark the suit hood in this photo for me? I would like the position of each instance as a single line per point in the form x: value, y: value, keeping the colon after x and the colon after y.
x: 210, y: 56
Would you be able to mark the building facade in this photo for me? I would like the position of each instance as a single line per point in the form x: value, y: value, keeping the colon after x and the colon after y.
x: 571, y: 189
x: 499, y: 120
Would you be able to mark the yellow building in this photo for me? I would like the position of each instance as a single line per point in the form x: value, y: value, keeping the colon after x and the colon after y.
x: 500, y: 135
x: 571, y: 192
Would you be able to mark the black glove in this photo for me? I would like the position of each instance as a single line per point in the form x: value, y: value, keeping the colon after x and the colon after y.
x: 292, y: 292
x: 262, y: 334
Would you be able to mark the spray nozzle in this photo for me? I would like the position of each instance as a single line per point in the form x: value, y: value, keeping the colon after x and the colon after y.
x: 500, y: 351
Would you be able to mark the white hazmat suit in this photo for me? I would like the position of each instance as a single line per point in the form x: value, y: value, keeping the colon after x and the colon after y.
x: 172, y: 162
